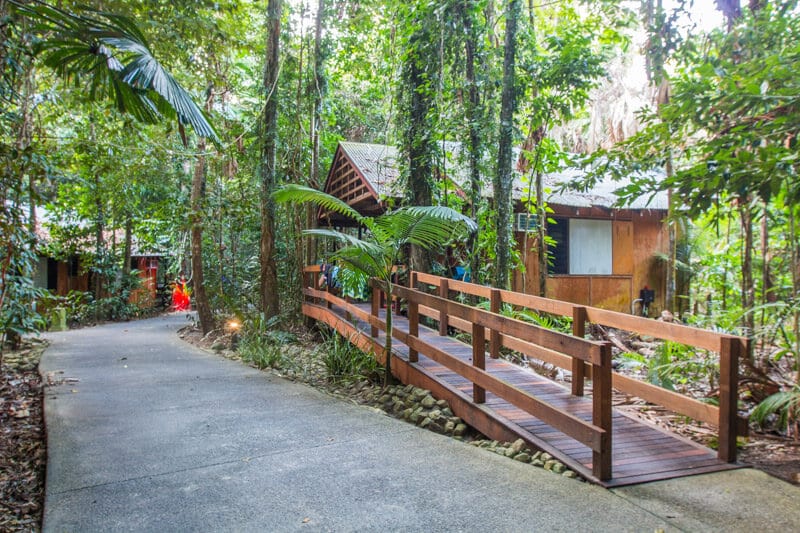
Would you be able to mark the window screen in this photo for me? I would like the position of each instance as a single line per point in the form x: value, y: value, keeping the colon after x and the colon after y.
x: 590, y: 247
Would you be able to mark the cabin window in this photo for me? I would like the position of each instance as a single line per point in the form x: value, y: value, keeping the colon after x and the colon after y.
x: 582, y: 247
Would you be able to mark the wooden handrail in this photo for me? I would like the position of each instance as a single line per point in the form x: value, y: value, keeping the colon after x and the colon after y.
x: 589, y: 351
x: 596, y: 435
x: 729, y: 347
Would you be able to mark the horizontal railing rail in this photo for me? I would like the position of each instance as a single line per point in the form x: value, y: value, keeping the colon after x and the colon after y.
x: 596, y: 434
x: 730, y: 348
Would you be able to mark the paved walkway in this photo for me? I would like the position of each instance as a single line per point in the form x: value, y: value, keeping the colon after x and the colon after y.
x: 146, y: 433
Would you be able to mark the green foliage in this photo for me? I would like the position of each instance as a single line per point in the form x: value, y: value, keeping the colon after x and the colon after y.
x: 18, y: 316
x: 112, y: 52
x: 784, y: 404
x: 262, y: 343
x: 544, y: 320
x: 675, y: 363
x: 428, y: 227
x: 344, y: 362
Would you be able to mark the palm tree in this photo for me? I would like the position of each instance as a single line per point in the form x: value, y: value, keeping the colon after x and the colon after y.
x: 427, y: 227
x: 112, y: 53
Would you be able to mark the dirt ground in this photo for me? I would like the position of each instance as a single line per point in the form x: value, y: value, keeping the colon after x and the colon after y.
x: 23, y: 452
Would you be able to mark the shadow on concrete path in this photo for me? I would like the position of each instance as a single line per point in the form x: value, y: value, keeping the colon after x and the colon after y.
x: 147, y: 433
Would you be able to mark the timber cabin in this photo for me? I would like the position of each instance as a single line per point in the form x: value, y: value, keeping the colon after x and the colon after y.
x: 604, y: 256
x: 65, y: 274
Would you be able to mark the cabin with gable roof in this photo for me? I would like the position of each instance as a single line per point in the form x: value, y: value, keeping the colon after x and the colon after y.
x: 604, y: 256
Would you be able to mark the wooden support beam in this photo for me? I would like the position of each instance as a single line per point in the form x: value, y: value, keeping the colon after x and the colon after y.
x: 478, y: 360
x: 731, y: 348
x: 413, y: 319
x: 601, y: 413
x: 579, y: 330
x: 444, y: 292
x: 495, y: 338
x: 376, y: 306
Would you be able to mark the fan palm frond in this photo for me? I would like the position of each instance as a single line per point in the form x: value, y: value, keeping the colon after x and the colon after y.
x: 425, y: 226
x: 113, y: 53
x: 301, y: 194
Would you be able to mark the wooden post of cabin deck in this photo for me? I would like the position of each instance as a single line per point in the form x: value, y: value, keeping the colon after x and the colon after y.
x: 578, y: 366
x: 601, y: 413
x: 495, y: 339
x: 376, y: 306
x: 478, y: 359
x: 730, y: 350
x: 413, y: 317
x: 444, y: 292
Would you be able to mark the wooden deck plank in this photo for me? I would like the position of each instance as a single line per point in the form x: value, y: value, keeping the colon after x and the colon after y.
x: 640, y: 452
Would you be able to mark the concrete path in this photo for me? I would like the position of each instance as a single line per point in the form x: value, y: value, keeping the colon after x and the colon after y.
x: 147, y: 433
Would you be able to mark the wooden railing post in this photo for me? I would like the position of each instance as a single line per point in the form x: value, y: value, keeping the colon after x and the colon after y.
x: 413, y: 317
x: 376, y: 306
x: 478, y: 359
x: 444, y: 292
x: 578, y: 366
x: 495, y: 338
x: 601, y: 413
x: 729, y: 353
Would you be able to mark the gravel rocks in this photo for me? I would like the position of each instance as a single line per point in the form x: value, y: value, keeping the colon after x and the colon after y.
x: 518, y: 451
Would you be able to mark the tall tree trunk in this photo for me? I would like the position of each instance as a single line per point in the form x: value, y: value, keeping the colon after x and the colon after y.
x: 126, y: 261
x: 473, y: 114
x: 504, y: 176
x: 656, y: 57
x: 541, y: 231
x: 748, y: 290
x: 418, y: 71
x: 319, y: 89
x: 197, y: 199
x: 199, y: 288
x: 794, y: 245
x: 270, y: 301
x: 99, y: 241
x: 765, y: 277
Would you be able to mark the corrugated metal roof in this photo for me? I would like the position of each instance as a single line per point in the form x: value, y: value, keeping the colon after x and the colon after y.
x: 379, y: 165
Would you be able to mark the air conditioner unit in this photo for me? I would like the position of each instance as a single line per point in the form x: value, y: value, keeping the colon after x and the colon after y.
x: 525, y: 222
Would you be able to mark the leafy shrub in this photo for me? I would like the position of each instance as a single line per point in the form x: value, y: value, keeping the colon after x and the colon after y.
x: 18, y: 317
x: 785, y: 405
x: 676, y: 363
x: 344, y: 361
x: 262, y: 343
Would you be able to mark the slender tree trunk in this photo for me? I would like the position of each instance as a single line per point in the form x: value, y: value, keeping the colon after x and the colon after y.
x: 99, y: 241
x: 126, y: 261
x: 201, y: 302
x: 418, y: 70
x: 473, y: 114
x: 541, y: 227
x: 199, y: 288
x: 504, y: 176
x: 765, y: 277
x: 270, y: 301
x: 795, y: 255
x: 748, y: 291
x: 320, y: 88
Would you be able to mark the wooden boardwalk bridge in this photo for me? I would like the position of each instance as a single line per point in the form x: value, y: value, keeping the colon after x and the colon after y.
x: 505, y: 401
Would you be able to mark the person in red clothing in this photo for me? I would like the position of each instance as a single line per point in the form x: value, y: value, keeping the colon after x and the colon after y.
x: 180, y: 295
